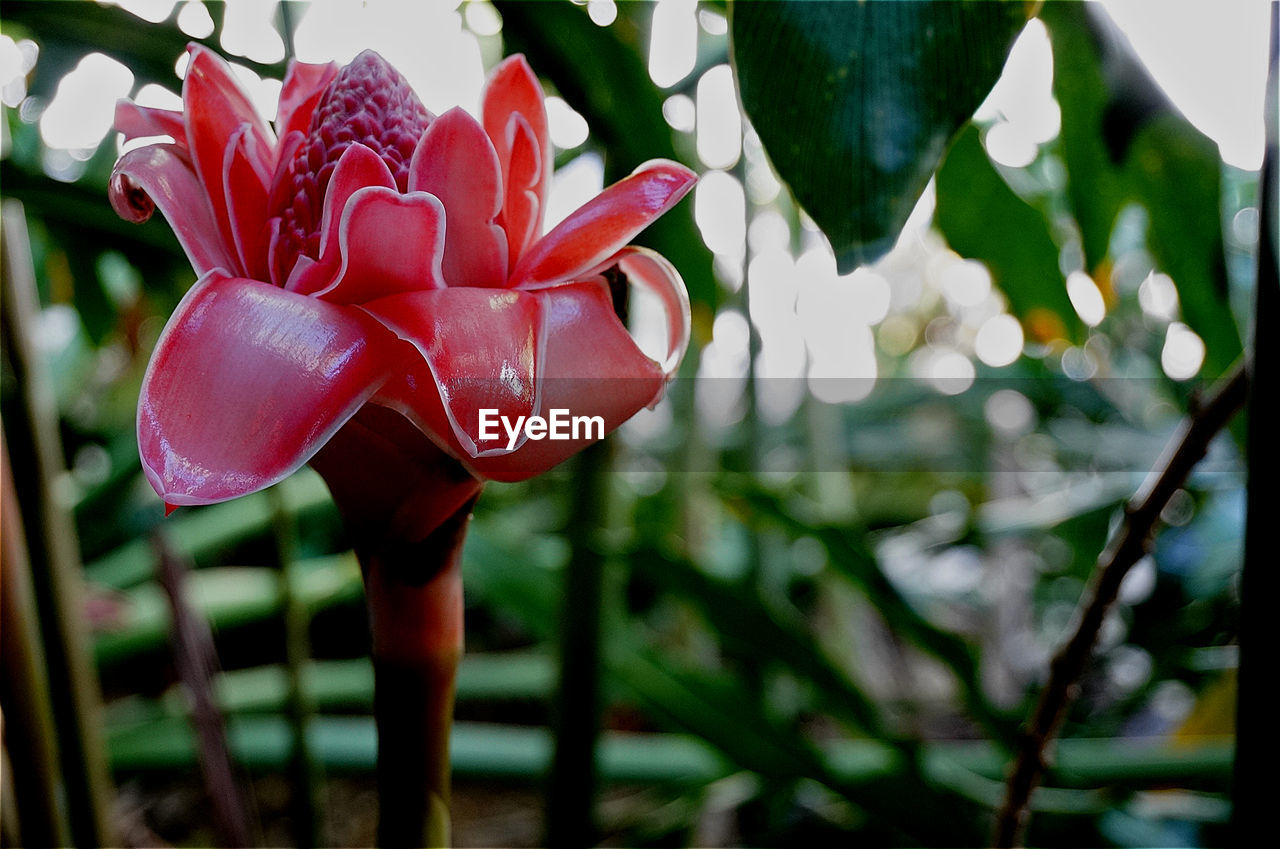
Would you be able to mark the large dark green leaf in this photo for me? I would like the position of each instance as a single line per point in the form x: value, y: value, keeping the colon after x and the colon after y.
x: 982, y: 218
x: 1123, y: 142
x: 855, y: 102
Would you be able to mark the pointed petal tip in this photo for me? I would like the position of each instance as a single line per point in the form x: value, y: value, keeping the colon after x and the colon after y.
x: 169, y: 509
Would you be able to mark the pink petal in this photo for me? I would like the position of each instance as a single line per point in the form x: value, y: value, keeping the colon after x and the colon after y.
x: 159, y: 175
x: 522, y: 209
x: 247, y: 381
x: 137, y: 121
x: 650, y: 270
x: 216, y: 106
x: 513, y: 89
x: 455, y: 161
x: 304, y: 84
x: 246, y: 193
x: 483, y: 350
x: 358, y: 168
x: 389, y: 243
x: 590, y: 367
x: 603, y: 224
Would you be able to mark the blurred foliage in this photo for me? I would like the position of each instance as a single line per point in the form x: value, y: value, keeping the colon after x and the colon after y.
x: 819, y: 627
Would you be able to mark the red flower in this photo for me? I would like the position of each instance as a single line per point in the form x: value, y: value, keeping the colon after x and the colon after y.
x: 368, y: 252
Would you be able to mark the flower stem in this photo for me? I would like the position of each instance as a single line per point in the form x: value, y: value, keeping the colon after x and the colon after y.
x: 406, y: 505
x: 417, y: 643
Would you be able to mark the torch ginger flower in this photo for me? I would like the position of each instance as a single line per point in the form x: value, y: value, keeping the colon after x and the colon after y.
x: 367, y: 252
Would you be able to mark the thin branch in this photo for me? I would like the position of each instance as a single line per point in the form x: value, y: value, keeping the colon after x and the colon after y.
x: 196, y: 660
x: 1127, y: 547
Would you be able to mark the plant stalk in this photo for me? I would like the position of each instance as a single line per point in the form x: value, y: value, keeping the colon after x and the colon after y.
x: 573, y: 779
x: 1131, y: 542
x: 1257, y: 746
x: 36, y: 462
x: 417, y: 643
x: 406, y: 505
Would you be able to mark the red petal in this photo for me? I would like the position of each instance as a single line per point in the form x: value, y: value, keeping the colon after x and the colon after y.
x: 483, y: 349
x: 358, y: 168
x: 389, y: 243
x: 247, y: 382
x: 651, y: 271
x: 246, y: 192
x: 513, y: 89
x: 303, y: 86
x: 522, y: 209
x: 455, y: 161
x: 603, y: 224
x: 216, y: 106
x: 590, y: 367
x: 159, y: 175
x: 137, y: 121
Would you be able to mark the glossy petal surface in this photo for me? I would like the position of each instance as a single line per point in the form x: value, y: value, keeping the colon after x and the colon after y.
x: 483, y: 348
x: 247, y: 382
x: 591, y: 367
x: 602, y: 225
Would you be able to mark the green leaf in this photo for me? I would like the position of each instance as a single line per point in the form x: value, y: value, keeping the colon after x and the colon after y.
x: 766, y: 631
x: 851, y: 555
x: 1123, y: 141
x: 1175, y: 171
x: 982, y: 218
x: 855, y: 102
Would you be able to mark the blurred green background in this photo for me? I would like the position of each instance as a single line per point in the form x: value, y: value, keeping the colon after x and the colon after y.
x: 833, y: 562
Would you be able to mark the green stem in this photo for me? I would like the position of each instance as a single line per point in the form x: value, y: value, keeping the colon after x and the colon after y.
x: 571, y: 789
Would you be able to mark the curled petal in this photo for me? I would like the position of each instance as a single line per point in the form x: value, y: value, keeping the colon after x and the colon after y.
x: 304, y: 84
x: 483, y: 347
x: 159, y: 175
x: 591, y: 367
x: 650, y: 271
x: 246, y: 193
x: 389, y: 243
x: 602, y: 225
x: 247, y: 382
x: 137, y: 121
x: 513, y: 89
x: 455, y: 161
x: 215, y: 107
